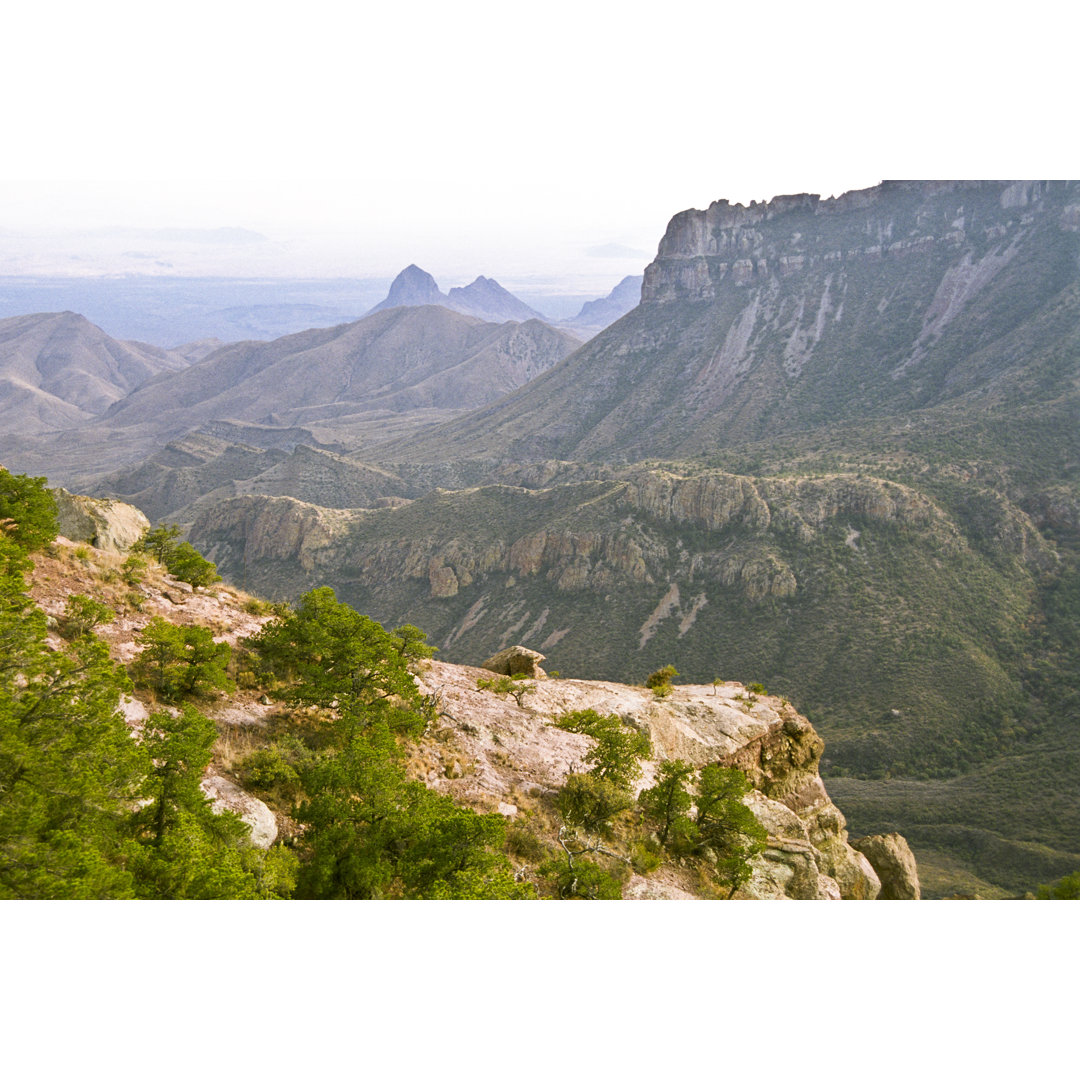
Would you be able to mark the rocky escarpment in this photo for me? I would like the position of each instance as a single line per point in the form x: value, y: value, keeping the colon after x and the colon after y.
x: 592, y: 536
x: 497, y: 753
x: 743, y: 245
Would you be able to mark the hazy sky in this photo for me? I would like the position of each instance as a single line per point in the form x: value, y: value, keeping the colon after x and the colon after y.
x: 477, y: 137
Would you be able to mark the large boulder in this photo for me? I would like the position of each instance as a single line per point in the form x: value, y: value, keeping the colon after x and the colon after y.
x: 103, y: 523
x: 225, y: 795
x: 892, y: 859
x: 517, y: 660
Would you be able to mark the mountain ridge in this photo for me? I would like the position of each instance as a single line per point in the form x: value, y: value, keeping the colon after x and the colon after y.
x: 58, y: 370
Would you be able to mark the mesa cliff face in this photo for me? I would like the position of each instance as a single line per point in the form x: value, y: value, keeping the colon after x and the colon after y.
x: 789, y: 234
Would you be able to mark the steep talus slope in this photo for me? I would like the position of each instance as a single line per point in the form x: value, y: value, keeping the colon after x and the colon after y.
x: 59, y: 370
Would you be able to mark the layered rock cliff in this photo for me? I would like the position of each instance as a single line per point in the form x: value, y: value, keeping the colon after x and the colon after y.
x: 744, y: 245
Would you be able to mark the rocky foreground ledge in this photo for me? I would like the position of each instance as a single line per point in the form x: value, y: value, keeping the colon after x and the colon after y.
x: 500, y: 754
x: 493, y: 752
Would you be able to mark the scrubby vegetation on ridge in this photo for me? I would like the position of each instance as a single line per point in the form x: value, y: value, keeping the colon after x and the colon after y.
x: 88, y: 810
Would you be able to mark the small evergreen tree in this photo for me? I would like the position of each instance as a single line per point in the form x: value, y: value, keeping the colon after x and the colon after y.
x: 661, y: 678
x: 617, y: 751
x: 667, y: 804
x: 29, y: 510
x: 370, y: 831
x: 180, y: 661
x: 69, y: 769
x: 160, y: 542
x: 725, y: 824
x: 187, y: 851
x: 82, y: 614
x: 178, y: 557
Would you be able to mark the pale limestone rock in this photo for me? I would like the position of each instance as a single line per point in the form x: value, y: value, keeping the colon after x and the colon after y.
x: 105, y: 523
x: 225, y: 795
x: 516, y: 660
x: 512, y: 749
x: 894, y: 862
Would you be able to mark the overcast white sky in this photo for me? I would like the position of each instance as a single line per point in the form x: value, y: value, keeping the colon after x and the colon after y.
x: 487, y: 137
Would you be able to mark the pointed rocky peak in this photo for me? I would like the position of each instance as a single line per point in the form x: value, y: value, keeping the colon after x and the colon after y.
x: 487, y: 299
x: 411, y: 288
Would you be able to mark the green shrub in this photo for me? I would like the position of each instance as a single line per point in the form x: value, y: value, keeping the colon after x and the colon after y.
x: 523, y: 844
x: 81, y: 615
x: 180, y: 559
x: 617, y: 750
x: 178, y: 661
x: 661, y: 677
x: 186, y: 564
x: 645, y: 856
x: 581, y: 880
x: 756, y: 688
x: 515, y: 685
x: 133, y: 569
x: 1067, y: 888
x: 267, y: 769
x: 590, y: 802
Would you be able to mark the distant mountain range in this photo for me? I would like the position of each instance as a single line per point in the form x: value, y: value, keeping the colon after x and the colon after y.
x: 59, y: 370
x: 360, y: 382
x: 595, y: 315
x: 799, y: 314
x: 486, y: 299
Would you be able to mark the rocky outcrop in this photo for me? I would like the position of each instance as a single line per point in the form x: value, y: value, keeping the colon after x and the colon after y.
x: 103, y: 523
x: 484, y: 298
x: 894, y: 863
x: 579, y: 551
x: 516, y: 660
x: 488, y: 300
x: 513, y: 749
x: 411, y: 288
